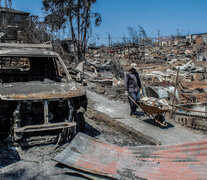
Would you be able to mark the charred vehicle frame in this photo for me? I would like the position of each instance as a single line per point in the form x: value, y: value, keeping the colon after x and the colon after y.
x: 37, y: 95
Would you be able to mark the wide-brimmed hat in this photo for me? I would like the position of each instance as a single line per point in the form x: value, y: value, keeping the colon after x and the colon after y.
x: 133, y: 66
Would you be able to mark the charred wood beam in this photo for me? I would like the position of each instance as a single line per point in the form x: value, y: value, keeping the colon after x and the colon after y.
x: 16, y: 115
x: 45, y: 127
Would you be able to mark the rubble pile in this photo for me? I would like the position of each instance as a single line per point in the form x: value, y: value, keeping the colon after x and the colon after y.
x: 158, y: 68
x: 194, y: 123
x: 104, y: 69
x: 191, y: 67
x: 104, y: 76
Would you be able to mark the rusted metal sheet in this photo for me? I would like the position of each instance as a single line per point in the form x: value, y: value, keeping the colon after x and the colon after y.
x: 195, y: 85
x: 185, y: 161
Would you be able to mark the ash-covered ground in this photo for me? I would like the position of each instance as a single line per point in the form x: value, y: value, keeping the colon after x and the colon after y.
x: 36, y: 162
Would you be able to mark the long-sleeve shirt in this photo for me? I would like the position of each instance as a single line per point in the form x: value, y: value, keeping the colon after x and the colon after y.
x: 132, y: 82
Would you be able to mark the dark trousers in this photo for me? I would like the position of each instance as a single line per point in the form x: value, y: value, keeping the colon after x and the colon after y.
x: 136, y: 97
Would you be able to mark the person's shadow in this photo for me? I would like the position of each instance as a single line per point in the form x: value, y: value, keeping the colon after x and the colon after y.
x: 91, y: 131
x: 152, y: 122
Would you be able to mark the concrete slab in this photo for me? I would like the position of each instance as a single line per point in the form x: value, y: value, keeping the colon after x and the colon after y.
x: 115, y: 109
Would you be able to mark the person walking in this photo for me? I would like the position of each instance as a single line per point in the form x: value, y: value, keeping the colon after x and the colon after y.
x: 132, y: 87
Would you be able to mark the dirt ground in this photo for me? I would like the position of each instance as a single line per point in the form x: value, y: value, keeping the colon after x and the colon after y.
x: 36, y: 162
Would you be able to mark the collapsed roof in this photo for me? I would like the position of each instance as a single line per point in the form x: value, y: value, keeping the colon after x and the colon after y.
x: 12, y: 11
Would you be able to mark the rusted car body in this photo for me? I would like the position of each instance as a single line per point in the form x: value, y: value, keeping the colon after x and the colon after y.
x: 37, y: 94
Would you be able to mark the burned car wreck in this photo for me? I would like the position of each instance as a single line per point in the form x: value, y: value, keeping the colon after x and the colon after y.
x: 37, y: 96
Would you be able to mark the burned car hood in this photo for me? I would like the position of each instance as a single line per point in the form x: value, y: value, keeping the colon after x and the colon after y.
x: 39, y: 91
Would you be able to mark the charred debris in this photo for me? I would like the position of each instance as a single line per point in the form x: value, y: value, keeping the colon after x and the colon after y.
x: 43, y: 80
x: 101, y: 69
x: 159, y: 62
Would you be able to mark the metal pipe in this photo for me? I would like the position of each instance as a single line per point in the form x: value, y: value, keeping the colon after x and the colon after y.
x: 71, y: 110
x: 46, y: 112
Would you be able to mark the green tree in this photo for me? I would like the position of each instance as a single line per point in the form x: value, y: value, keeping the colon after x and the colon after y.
x: 76, y: 17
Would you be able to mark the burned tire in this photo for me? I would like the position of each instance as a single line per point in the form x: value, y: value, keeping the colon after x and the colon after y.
x: 160, y: 120
x: 80, y: 120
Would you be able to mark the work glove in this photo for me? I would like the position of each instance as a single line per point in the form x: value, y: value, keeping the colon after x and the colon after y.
x: 126, y: 93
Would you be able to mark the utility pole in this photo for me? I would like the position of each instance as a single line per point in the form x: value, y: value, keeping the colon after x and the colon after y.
x: 109, y: 38
x: 158, y: 33
x: 109, y: 42
x: 175, y: 89
x: 178, y: 32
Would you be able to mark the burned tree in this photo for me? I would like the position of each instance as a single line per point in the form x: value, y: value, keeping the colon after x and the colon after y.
x: 20, y: 26
x: 12, y: 23
x: 136, y: 42
x: 142, y: 39
x: 7, y: 3
x: 74, y: 16
x: 36, y: 32
x: 133, y: 43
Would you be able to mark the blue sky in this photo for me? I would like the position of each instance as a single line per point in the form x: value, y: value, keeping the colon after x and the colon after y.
x: 117, y: 15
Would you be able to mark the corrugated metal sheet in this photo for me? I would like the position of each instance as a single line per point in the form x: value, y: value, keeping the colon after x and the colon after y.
x: 186, y: 161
